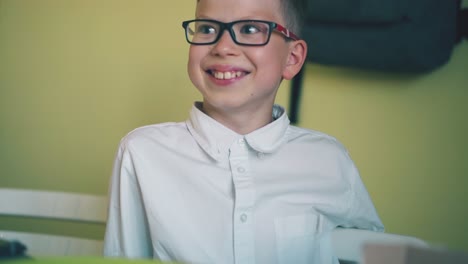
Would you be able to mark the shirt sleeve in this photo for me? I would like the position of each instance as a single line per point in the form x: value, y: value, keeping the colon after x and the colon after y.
x: 362, y: 213
x: 127, y: 232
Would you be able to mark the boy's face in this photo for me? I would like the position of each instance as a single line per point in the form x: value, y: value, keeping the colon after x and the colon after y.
x: 235, y: 78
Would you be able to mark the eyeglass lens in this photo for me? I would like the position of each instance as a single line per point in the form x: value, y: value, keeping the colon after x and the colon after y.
x: 243, y: 32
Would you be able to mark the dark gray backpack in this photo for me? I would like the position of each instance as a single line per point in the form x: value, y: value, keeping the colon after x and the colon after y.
x: 410, y: 36
x: 388, y: 35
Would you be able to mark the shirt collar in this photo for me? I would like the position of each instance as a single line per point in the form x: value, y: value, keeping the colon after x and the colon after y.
x: 216, y: 139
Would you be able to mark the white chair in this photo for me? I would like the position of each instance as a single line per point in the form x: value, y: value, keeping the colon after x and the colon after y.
x: 409, y: 254
x: 81, y: 208
x: 349, y: 244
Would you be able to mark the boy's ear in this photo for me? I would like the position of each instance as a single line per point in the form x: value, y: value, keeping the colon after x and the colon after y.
x: 296, y: 58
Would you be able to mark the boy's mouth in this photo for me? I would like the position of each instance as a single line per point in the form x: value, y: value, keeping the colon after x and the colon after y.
x: 228, y: 75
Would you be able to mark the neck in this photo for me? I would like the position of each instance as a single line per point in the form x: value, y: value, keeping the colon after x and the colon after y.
x: 240, y: 121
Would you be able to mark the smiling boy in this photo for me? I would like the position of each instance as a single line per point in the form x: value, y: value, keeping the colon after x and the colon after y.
x: 244, y: 100
x: 235, y: 183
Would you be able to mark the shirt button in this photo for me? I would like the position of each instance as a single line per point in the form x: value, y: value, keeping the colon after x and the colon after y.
x: 241, y: 169
x: 243, y: 218
x: 260, y: 155
x: 241, y: 142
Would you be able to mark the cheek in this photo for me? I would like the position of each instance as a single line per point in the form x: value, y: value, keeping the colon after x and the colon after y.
x: 192, y: 58
x: 193, y: 64
x: 271, y: 61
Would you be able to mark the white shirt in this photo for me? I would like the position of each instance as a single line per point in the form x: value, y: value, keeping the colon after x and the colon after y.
x: 197, y: 192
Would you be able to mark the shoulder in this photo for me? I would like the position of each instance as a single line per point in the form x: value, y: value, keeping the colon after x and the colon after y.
x: 163, y: 133
x: 306, y: 136
x: 317, y: 145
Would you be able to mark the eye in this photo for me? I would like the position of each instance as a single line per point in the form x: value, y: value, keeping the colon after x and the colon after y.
x: 206, y: 29
x: 250, y: 29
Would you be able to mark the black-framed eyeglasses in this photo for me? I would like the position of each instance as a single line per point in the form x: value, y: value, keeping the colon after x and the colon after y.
x: 243, y: 32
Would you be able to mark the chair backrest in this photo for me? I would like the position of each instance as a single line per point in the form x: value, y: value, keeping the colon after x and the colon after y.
x: 70, y: 207
x: 349, y: 244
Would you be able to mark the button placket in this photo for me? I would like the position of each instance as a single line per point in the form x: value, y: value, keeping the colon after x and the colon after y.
x: 242, y: 144
x: 243, y: 217
x: 243, y: 203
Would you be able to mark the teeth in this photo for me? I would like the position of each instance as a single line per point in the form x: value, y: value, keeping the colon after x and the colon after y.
x: 227, y: 75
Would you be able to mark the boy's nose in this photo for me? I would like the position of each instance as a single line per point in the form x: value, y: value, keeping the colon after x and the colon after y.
x: 225, y: 45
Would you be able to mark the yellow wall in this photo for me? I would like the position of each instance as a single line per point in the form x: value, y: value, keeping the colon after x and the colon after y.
x: 77, y: 75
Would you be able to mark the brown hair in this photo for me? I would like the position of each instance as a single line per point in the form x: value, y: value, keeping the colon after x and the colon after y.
x: 294, y: 14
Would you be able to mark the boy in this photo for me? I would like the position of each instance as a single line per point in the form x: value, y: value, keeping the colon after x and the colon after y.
x: 235, y: 183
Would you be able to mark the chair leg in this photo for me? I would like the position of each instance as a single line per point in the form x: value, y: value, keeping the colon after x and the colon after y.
x: 295, y: 96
